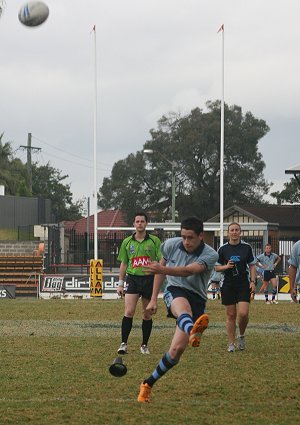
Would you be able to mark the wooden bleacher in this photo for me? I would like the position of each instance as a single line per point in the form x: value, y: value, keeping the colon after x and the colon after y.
x: 22, y: 271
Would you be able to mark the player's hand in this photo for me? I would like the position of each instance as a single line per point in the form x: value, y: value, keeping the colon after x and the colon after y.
x: 120, y: 291
x: 153, y: 268
x: 293, y: 295
x: 253, y: 289
x: 152, y: 307
x: 230, y: 264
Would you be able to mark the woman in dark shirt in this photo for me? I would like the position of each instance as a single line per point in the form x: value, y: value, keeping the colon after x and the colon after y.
x: 236, y: 262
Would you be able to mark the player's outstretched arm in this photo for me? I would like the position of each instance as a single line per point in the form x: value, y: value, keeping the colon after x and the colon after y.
x: 292, y: 278
x: 183, y: 271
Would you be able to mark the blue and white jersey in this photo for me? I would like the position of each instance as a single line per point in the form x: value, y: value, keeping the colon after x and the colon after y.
x: 294, y: 259
x: 268, y: 260
x: 215, y: 276
x: 175, y: 254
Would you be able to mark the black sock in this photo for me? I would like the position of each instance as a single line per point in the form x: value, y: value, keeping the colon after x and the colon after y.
x: 126, y: 328
x: 146, y: 329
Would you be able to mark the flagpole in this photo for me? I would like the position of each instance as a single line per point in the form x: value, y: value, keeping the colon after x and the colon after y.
x: 95, y: 151
x: 222, y: 147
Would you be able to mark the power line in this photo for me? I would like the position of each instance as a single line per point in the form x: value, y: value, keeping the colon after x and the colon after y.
x: 72, y: 162
x: 69, y: 153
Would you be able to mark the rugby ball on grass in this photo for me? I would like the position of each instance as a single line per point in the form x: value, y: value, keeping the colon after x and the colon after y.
x: 33, y: 13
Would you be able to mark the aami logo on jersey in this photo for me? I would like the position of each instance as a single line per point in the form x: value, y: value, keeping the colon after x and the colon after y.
x: 235, y: 258
x: 140, y: 261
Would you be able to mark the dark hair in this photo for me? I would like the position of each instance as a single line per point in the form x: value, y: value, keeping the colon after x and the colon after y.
x: 141, y: 214
x: 192, y: 223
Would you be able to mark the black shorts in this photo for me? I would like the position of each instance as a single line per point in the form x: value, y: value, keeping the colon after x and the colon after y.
x: 234, y: 293
x: 142, y: 285
x: 268, y: 275
x: 196, y: 302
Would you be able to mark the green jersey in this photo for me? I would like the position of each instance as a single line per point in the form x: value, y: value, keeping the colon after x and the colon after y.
x: 137, y: 254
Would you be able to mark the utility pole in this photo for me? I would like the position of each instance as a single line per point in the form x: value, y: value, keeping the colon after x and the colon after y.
x: 29, y: 163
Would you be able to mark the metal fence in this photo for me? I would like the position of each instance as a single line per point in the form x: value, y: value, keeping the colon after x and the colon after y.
x: 80, y: 248
x: 281, y: 246
x: 256, y: 243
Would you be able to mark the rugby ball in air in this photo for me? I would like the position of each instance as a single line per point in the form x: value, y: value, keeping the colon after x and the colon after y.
x: 33, y: 13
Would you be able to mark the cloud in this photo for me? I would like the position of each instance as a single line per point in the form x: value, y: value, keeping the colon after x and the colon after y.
x: 153, y: 57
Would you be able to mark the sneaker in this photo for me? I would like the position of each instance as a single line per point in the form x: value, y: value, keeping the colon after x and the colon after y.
x: 267, y: 302
x: 199, y: 327
x: 144, y: 395
x: 241, y: 343
x: 274, y: 302
x: 231, y: 348
x: 144, y: 349
x: 123, y: 348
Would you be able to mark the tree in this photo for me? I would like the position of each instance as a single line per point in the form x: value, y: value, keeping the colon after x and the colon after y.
x: 13, y: 173
x: 290, y: 193
x: 127, y: 187
x: 193, y: 142
x: 47, y: 183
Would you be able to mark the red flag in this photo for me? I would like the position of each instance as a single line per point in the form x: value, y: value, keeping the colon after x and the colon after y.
x: 221, y: 28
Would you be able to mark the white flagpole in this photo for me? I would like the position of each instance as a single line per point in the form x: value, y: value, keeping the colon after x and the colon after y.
x: 95, y: 151
x: 222, y: 148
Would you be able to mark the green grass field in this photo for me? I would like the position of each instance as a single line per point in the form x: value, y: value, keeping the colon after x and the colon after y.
x: 55, y: 357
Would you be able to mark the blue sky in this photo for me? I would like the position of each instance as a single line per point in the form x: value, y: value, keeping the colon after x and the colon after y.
x: 153, y: 57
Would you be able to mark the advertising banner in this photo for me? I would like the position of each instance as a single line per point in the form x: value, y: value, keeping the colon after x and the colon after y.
x: 7, y: 291
x: 76, y: 286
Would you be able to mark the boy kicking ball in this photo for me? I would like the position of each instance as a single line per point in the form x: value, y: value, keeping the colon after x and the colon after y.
x: 187, y: 263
